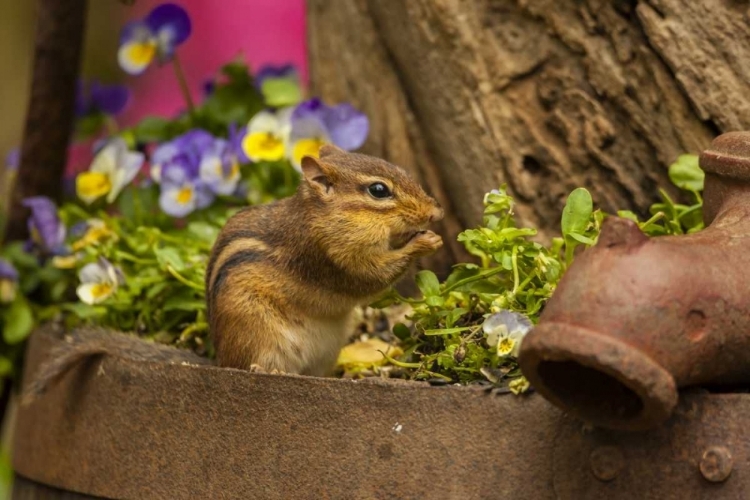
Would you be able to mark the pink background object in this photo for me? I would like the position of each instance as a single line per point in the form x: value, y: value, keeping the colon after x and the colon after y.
x: 263, y: 31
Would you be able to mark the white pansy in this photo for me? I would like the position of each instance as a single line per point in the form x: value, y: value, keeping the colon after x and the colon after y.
x: 99, y: 281
x: 505, y: 330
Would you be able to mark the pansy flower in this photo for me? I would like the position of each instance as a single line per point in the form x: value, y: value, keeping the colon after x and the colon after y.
x: 181, y: 153
x: 313, y: 123
x: 181, y: 194
x: 505, y: 330
x: 8, y: 282
x: 279, y: 85
x: 186, y: 182
x: 100, y: 98
x: 96, y: 231
x: 267, y: 135
x: 113, y: 168
x: 155, y: 37
x: 219, y: 168
x: 307, y: 136
x: 46, y: 230
x: 99, y: 281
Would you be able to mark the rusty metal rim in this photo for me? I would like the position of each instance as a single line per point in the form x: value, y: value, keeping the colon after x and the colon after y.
x: 562, y: 343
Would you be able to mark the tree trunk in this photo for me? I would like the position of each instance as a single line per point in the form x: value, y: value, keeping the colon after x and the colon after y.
x: 50, y: 117
x: 544, y: 95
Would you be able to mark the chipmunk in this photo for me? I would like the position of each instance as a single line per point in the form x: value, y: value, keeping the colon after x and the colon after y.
x: 284, y: 278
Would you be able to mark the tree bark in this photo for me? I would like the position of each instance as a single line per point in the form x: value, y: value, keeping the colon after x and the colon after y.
x: 49, y: 121
x: 544, y: 95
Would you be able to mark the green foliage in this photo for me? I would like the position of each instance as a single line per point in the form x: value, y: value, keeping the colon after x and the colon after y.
x: 514, y: 273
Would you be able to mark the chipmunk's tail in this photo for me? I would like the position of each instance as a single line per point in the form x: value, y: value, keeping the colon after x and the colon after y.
x: 62, y: 359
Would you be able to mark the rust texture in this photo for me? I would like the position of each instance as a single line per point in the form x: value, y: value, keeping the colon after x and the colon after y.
x: 117, y: 427
x: 49, y: 120
x: 634, y: 319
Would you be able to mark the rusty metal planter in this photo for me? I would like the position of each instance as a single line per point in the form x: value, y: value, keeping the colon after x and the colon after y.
x: 119, y: 428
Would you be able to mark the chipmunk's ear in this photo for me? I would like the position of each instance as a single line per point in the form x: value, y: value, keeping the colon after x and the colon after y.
x: 329, y: 149
x: 318, y: 175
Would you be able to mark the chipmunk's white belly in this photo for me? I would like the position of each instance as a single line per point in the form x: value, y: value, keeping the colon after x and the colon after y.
x: 314, y: 347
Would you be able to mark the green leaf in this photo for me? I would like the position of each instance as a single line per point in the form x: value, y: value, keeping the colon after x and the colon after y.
x: 6, y: 367
x: 627, y: 214
x: 446, y: 331
x: 401, y: 331
x: 203, y: 230
x: 581, y: 238
x: 577, y: 211
x: 18, y: 321
x: 434, y: 301
x: 686, y: 173
x: 183, y: 304
x: 153, y: 129
x: 428, y: 283
x: 89, y: 125
x: 237, y: 72
x: 84, y: 311
x: 279, y: 92
x: 169, y: 256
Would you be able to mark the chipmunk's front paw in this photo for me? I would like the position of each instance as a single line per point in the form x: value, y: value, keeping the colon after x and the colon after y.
x: 425, y: 243
x: 256, y: 369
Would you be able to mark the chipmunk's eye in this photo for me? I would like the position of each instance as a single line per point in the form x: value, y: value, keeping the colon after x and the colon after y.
x: 379, y: 190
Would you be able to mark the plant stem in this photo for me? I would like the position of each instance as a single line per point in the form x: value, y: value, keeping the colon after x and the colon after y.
x: 514, y: 261
x: 184, y: 280
x: 183, y: 83
x: 477, y: 277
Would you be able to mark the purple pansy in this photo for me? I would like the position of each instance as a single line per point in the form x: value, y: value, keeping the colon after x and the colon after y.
x: 192, y: 169
x: 157, y: 36
x: 46, y: 230
x: 102, y: 98
x: 313, y: 123
x: 346, y: 126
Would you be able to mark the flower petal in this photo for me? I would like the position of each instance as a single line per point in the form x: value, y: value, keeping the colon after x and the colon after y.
x: 93, y: 272
x: 94, y: 293
x: 305, y: 147
x: 128, y: 165
x: 134, y: 57
x: 45, y: 223
x: 263, y: 146
x: 177, y: 200
x: 219, y: 170
x: 90, y: 186
x: 264, y: 121
x: 109, y: 99
x: 348, y: 126
x: 171, y: 18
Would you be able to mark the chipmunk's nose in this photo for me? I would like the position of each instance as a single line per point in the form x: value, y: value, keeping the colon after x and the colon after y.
x: 437, y: 213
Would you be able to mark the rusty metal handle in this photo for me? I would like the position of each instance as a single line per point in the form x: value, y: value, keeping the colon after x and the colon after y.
x: 634, y: 319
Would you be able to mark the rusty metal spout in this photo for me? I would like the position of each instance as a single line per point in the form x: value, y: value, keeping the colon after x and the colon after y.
x: 634, y: 319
